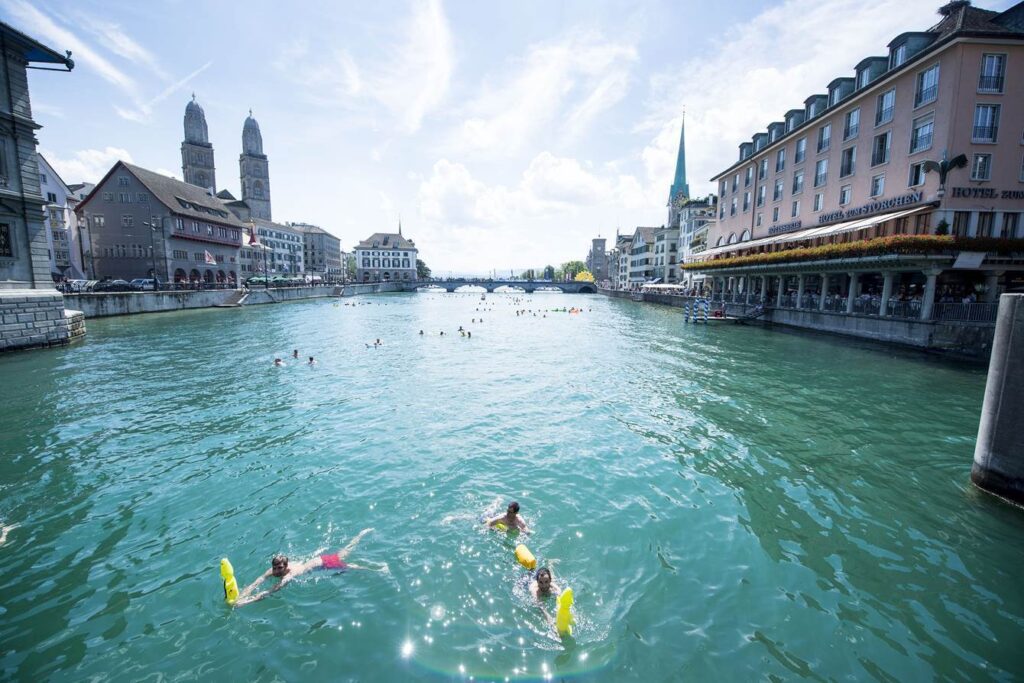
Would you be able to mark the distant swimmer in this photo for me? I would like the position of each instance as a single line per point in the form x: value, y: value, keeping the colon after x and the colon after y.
x: 281, y: 569
x: 278, y: 363
x: 469, y: 335
x: 442, y: 333
x: 511, y: 519
x: 295, y: 354
x: 421, y: 333
x: 460, y: 329
x: 6, y: 529
x: 312, y: 361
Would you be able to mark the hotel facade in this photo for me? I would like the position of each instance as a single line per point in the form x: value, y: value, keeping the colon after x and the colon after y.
x: 925, y: 141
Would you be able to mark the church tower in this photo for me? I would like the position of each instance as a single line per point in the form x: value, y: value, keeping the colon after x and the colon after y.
x: 255, y: 172
x: 679, y: 186
x: 197, y: 166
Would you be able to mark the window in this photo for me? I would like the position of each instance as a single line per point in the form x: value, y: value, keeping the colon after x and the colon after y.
x: 845, y: 193
x: 798, y: 182
x: 721, y: 193
x: 986, y: 219
x: 746, y: 201
x: 819, y: 201
x: 801, y: 151
x: 981, y: 167
x: 780, y: 160
x: 124, y: 197
x: 735, y: 182
x: 885, y: 106
x: 960, y: 221
x: 775, y: 215
x: 848, y: 162
x: 921, y: 135
x: 921, y: 223
x: 820, y: 172
x: 122, y: 181
x: 760, y: 219
x: 824, y: 137
x: 51, y: 197
x: 762, y: 172
x: 108, y: 196
x: 851, y: 124
x: 796, y: 209
x: 366, y: 263
x: 898, y: 56
x: 732, y: 208
x: 180, y: 255
x: 863, y: 78
x: 127, y: 220
x: 877, y: 185
x: 916, y: 175
x: 1010, y: 223
x: 6, y: 245
x: 927, y: 86
x: 142, y: 197
x: 986, y: 123
x: 749, y: 177
x: 195, y: 226
x: 760, y: 195
x: 880, y: 149
x: 778, y: 190
x: 993, y: 68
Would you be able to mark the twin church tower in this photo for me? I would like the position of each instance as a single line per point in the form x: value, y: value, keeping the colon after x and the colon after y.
x: 197, y: 167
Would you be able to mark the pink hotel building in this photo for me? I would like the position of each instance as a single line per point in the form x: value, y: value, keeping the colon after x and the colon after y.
x: 855, y: 165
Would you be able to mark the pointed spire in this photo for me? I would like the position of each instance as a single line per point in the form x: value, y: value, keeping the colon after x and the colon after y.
x: 679, y: 185
x: 399, y: 226
x: 193, y: 95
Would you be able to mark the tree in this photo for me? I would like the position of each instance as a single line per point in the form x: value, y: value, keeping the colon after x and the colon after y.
x: 526, y: 274
x: 422, y: 271
x: 549, y: 272
x: 350, y: 266
x: 584, y: 276
x: 571, y: 269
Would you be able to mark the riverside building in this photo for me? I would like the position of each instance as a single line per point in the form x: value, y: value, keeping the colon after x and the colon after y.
x: 386, y: 257
x: 922, y: 145
x: 641, y: 257
x: 321, y: 252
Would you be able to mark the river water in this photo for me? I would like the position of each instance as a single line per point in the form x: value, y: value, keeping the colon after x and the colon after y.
x: 726, y: 502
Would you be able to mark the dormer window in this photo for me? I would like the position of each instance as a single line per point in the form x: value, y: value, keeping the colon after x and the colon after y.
x: 898, y: 55
x: 863, y: 78
x: 834, y: 97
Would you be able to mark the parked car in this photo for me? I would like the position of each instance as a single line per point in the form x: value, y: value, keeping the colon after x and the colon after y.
x: 112, y: 286
x: 143, y: 283
x: 76, y: 285
x: 257, y: 280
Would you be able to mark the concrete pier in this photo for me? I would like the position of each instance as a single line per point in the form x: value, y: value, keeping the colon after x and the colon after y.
x: 999, y: 453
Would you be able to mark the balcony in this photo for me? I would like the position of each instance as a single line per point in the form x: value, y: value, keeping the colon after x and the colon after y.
x: 984, y: 133
x: 991, y: 84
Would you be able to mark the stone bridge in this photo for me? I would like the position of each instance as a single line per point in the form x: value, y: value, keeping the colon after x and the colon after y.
x: 529, y: 286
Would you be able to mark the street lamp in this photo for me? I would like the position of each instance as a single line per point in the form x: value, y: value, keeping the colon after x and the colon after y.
x: 152, y: 247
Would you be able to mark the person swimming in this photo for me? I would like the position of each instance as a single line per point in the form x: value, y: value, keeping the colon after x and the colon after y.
x: 312, y: 361
x: 543, y: 585
x: 278, y: 363
x: 421, y: 333
x: 295, y: 354
x: 510, y: 519
x: 281, y: 569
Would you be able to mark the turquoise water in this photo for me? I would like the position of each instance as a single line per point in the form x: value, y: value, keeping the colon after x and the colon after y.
x: 726, y: 502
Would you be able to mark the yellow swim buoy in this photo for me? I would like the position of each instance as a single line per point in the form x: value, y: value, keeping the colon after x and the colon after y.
x: 525, y: 557
x: 501, y: 526
x: 563, y: 616
x: 227, y: 572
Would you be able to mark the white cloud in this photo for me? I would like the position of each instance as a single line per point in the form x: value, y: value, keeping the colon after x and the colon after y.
x: 118, y: 42
x: 410, y: 82
x: 87, y: 165
x: 38, y: 24
x: 582, y: 73
x: 143, y: 110
x: 768, y: 65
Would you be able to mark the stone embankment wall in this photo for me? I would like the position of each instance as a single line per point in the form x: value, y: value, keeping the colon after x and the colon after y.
x: 32, y: 318
x: 372, y: 288
x: 967, y: 341
x: 127, y: 303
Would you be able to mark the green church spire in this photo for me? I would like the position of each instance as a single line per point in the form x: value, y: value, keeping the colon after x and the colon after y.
x: 679, y: 186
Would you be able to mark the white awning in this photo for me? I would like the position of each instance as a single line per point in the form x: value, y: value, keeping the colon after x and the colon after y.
x: 814, y: 233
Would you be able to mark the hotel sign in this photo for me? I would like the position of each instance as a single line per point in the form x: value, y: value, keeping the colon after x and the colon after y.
x: 785, y: 227
x: 986, y: 193
x: 873, y: 207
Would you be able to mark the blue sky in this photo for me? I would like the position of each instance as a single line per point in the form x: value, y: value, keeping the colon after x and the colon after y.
x: 505, y: 135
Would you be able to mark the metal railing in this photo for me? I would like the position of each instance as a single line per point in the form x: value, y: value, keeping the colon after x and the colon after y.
x: 905, y: 309
x: 967, y: 313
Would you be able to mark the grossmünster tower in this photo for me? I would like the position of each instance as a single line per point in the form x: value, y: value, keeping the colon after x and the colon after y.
x: 255, y: 171
x: 197, y: 166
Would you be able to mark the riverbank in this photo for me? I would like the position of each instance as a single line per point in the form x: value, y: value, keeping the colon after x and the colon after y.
x: 971, y: 341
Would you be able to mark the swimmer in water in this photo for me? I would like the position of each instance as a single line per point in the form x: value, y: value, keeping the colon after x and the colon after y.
x: 542, y: 586
x: 278, y: 363
x: 312, y: 361
x: 281, y: 569
x: 510, y: 519
x: 295, y: 354
x: 421, y: 333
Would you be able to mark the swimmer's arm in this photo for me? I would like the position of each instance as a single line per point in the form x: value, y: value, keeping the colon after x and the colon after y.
x: 494, y: 521
x: 252, y: 586
x: 547, y: 615
x: 260, y: 596
x: 521, y: 523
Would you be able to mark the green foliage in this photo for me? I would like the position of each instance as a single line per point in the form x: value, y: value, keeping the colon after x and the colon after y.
x: 422, y: 271
x: 942, y: 228
x: 880, y: 246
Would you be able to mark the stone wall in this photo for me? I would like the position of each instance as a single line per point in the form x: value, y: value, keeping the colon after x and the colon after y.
x: 76, y: 324
x: 372, y: 288
x: 31, y: 318
x: 99, y: 305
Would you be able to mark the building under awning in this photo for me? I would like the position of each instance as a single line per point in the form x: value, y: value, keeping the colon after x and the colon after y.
x: 814, y: 233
